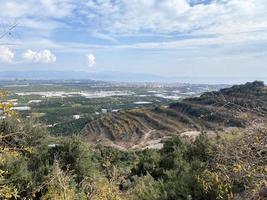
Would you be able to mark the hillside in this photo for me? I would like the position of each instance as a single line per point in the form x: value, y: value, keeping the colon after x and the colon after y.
x: 37, y: 165
x: 238, y: 106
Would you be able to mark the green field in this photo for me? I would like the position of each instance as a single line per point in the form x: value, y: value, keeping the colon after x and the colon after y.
x: 56, y: 103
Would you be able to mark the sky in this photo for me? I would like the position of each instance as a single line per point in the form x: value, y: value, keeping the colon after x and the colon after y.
x: 200, y: 38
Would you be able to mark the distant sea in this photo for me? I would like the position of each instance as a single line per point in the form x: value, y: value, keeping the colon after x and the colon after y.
x: 221, y: 80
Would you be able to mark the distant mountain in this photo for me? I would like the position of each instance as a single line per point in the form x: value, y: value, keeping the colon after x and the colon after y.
x: 120, y: 77
x: 42, y: 75
x: 239, y: 106
x: 76, y: 75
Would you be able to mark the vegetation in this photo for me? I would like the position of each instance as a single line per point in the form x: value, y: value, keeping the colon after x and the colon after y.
x: 238, y: 106
x: 57, y: 111
x: 37, y: 165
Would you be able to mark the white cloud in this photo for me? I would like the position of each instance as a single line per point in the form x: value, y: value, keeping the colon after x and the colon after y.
x: 41, y: 9
x: 222, y: 40
x: 130, y: 17
x: 109, y: 19
x: 173, y: 15
x: 45, y: 56
x: 6, y: 55
x: 91, y: 60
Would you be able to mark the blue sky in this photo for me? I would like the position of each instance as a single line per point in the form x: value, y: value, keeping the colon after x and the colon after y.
x: 208, y: 38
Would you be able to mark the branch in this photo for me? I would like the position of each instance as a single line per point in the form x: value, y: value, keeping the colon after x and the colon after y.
x: 8, y: 31
x: 12, y: 134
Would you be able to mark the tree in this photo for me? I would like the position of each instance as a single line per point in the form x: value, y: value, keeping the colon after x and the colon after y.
x: 7, y: 190
x: 60, y: 185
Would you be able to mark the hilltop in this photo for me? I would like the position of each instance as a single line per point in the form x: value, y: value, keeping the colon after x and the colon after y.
x: 237, y: 107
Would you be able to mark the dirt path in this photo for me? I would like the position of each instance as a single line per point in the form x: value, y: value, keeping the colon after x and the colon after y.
x: 143, y: 140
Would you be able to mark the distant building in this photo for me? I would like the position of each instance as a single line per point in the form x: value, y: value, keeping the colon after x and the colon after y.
x: 104, y: 111
x: 76, y: 116
x: 21, y: 108
x: 142, y: 102
x: 34, y: 101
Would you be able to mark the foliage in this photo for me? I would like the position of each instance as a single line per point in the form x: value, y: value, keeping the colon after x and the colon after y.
x: 146, y: 188
x: 59, y: 185
x: 7, y: 154
x: 37, y: 165
x: 238, y: 168
x: 230, y: 166
x: 99, y: 189
x: 173, y: 169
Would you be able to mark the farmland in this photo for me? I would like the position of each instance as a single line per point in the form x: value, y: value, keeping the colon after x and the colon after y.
x: 66, y: 106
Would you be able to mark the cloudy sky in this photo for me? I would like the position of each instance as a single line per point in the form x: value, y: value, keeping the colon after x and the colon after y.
x: 165, y: 37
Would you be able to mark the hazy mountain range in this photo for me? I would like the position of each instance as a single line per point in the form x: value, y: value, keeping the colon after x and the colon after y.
x: 119, y: 76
